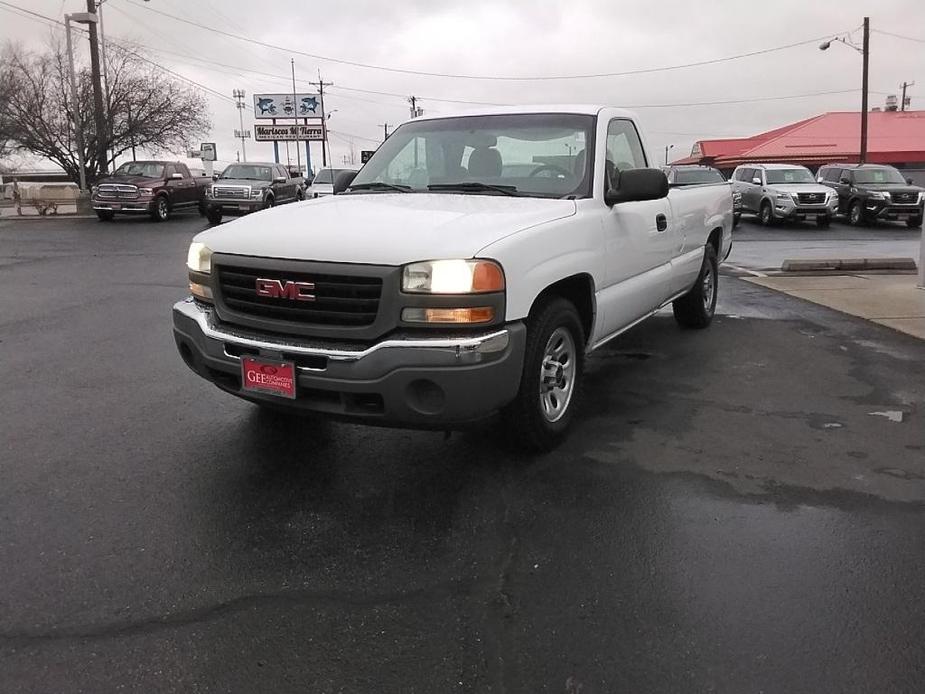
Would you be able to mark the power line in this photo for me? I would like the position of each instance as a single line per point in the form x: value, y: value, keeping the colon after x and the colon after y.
x: 897, y: 36
x: 499, y: 78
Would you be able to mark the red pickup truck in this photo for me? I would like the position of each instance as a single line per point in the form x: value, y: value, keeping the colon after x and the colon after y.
x: 155, y: 188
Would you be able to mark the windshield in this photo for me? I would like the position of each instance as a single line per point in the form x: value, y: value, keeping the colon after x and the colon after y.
x: 249, y: 172
x: 789, y: 176
x: 884, y: 175
x: 328, y: 175
x: 536, y: 154
x: 689, y: 176
x: 145, y: 169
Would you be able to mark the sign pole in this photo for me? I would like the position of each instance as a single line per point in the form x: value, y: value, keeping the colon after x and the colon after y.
x: 295, y: 107
x: 308, y: 154
x: 275, y: 147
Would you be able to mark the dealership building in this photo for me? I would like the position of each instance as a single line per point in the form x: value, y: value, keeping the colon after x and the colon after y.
x: 893, y: 137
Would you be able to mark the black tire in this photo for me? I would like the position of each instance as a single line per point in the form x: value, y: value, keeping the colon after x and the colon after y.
x: 696, y: 308
x: 554, y: 337
x: 105, y: 215
x: 766, y: 214
x: 214, y: 216
x: 203, y: 211
x: 268, y: 203
x: 160, y: 211
x: 823, y: 222
x: 856, y: 214
x: 736, y: 218
x: 914, y: 223
x: 300, y: 196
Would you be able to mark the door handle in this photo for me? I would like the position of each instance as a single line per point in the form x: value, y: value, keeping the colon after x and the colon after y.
x: 661, y: 222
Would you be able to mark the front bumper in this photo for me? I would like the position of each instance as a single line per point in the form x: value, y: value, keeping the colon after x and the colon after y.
x: 427, y: 382
x: 788, y: 209
x: 137, y: 206
x: 884, y: 209
x: 234, y: 207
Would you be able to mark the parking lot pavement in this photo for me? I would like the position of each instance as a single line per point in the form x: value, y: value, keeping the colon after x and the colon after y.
x: 738, y: 509
x: 762, y: 249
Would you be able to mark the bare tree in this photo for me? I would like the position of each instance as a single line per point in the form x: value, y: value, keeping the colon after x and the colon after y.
x: 147, y: 108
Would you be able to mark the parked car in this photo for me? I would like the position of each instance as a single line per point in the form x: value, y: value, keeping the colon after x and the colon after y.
x: 783, y: 192
x: 873, y: 191
x: 696, y: 174
x: 155, y: 188
x: 246, y: 187
x: 323, y: 183
x: 438, y: 294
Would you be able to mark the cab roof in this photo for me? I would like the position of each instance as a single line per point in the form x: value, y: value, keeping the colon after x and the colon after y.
x: 581, y: 109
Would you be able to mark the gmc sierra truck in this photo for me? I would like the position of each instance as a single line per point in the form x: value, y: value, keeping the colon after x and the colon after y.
x: 154, y: 188
x: 466, y: 270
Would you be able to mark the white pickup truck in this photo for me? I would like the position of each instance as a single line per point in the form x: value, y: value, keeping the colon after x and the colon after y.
x: 466, y: 270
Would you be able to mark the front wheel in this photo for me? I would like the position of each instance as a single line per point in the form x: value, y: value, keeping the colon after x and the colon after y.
x: 823, y: 222
x: 160, y: 212
x: 914, y: 223
x: 214, y: 216
x: 766, y: 214
x: 268, y: 203
x: 856, y: 214
x: 696, y: 308
x: 539, y: 416
x: 105, y: 215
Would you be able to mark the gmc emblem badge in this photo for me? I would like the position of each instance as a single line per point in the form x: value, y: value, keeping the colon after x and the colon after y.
x: 286, y: 289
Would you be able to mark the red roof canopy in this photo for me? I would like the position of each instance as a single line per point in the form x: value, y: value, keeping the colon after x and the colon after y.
x: 892, y: 137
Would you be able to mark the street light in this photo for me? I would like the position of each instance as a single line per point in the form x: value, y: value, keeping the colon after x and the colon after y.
x: 864, y: 50
x: 79, y: 18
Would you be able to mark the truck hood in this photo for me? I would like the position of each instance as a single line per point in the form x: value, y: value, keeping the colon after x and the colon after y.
x: 799, y: 188
x: 140, y: 181
x: 383, y: 228
x: 240, y: 182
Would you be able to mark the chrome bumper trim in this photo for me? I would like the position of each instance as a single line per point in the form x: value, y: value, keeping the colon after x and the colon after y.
x: 486, y: 343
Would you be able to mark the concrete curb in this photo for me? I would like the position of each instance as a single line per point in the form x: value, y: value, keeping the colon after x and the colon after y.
x: 849, y: 264
x: 44, y: 218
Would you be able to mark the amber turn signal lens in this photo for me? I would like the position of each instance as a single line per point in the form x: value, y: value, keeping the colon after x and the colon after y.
x: 201, y: 291
x: 480, y: 314
x: 487, y: 277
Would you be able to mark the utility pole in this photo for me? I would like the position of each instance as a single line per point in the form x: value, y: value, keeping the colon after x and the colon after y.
x: 238, y: 95
x: 321, y: 84
x: 902, y: 104
x: 99, y: 12
x: 866, y: 55
x: 415, y: 111
x: 385, y: 131
x: 98, y: 113
x: 75, y: 108
x: 295, y: 111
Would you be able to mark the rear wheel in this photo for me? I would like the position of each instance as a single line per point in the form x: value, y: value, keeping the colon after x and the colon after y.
x: 696, y: 308
x: 914, y: 223
x: 105, y: 215
x: 856, y: 214
x: 214, y: 216
x: 766, y: 214
x: 160, y: 212
x: 540, y: 415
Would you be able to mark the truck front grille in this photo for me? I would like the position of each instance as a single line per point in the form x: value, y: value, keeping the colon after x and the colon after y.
x: 811, y: 198
x: 117, y: 191
x: 231, y: 192
x: 339, y: 300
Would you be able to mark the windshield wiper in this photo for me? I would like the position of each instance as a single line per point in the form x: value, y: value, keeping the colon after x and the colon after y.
x: 380, y: 185
x: 473, y: 186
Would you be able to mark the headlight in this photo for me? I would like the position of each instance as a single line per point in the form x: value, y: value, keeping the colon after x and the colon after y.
x: 199, y: 258
x: 453, y: 277
x: 921, y: 198
x: 785, y: 196
x: 209, y: 192
x: 876, y: 195
x: 93, y: 190
x: 146, y: 191
x: 256, y: 194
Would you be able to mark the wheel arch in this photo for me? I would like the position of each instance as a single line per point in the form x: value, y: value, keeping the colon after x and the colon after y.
x: 580, y: 291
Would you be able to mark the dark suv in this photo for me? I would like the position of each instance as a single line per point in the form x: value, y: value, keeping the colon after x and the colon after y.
x: 873, y: 191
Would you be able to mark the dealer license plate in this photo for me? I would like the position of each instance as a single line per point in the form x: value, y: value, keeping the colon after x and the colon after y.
x: 271, y: 377
x: 115, y: 206
x: 810, y: 218
x: 244, y: 207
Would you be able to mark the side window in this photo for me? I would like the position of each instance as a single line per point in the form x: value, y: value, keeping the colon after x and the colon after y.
x: 833, y: 175
x: 624, y: 150
x: 281, y: 172
x: 169, y: 171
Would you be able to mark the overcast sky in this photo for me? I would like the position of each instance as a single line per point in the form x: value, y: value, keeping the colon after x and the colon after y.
x: 521, y: 38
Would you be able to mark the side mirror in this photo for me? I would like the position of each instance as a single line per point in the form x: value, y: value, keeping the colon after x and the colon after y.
x: 844, y: 180
x: 176, y: 177
x: 757, y: 180
x: 279, y: 179
x: 909, y: 181
x: 636, y: 185
x: 215, y: 177
x: 343, y: 180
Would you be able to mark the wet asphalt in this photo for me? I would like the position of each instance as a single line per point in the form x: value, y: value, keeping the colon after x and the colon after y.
x: 727, y: 516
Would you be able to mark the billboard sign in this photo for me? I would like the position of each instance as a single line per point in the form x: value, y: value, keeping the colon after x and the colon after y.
x: 208, y: 151
x: 287, y: 106
x: 271, y: 133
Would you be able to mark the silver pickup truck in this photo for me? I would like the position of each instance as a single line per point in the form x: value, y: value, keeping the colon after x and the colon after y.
x: 247, y: 187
